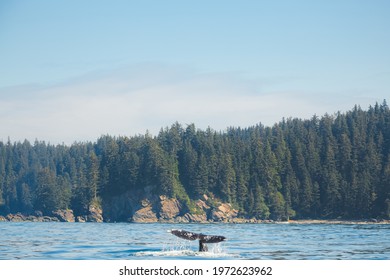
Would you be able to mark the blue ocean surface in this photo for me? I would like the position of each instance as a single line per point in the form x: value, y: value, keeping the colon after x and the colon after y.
x: 131, y: 241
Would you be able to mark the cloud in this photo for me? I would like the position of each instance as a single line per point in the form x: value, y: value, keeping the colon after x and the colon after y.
x: 131, y: 100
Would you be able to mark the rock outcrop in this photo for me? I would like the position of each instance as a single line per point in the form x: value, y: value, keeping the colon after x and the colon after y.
x: 170, y: 209
x: 194, y: 218
x: 64, y: 215
x: 95, y: 214
x: 224, y: 213
x: 18, y: 217
x: 150, y: 208
x: 145, y: 214
x: 143, y: 206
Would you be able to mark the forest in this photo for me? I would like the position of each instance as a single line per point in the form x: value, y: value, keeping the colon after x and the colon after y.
x: 332, y: 166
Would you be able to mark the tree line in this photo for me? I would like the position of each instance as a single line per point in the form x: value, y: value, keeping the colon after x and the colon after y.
x: 334, y: 166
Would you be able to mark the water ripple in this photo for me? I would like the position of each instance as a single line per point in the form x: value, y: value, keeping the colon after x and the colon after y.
x: 151, y: 241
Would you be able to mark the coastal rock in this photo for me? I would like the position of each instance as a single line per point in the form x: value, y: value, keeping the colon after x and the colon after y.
x: 48, y: 219
x: 95, y: 214
x: 169, y: 208
x: 33, y: 218
x: 81, y: 219
x: 194, y: 218
x: 202, y: 205
x: 145, y: 215
x: 2, y: 219
x: 64, y: 215
x: 223, y: 213
x: 16, y: 217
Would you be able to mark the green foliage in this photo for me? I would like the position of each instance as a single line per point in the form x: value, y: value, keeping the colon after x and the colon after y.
x: 330, y: 166
x: 51, y: 193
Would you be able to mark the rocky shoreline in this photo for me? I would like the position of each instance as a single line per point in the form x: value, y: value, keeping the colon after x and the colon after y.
x: 161, y: 209
x: 18, y: 217
x: 56, y: 216
x: 67, y: 216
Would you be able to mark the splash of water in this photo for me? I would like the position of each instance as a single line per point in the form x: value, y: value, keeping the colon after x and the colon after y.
x: 182, y: 248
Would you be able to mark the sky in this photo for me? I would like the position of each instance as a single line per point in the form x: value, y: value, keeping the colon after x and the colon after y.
x: 71, y: 71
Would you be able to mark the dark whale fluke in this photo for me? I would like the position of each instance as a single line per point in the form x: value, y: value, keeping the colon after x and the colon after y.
x: 198, y: 236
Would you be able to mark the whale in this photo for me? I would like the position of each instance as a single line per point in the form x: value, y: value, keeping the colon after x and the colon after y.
x: 203, y: 238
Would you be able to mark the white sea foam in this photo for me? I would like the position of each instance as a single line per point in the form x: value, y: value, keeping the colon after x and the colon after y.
x: 184, y: 249
x: 182, y: 253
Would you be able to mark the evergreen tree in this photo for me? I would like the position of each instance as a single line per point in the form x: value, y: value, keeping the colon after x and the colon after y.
x: 325, y: 167
x: 48, y: 195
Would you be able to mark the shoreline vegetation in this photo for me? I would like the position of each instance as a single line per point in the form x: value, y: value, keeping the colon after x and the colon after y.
x: 59, y: 218
x: 329, y: 168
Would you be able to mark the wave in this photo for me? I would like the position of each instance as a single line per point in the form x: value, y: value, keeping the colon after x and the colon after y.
x: 185, y: 252
x: 182, y: 253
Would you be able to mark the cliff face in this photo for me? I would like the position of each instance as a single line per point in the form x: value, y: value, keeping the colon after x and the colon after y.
x: 146, y: 207
x: 143, y: 206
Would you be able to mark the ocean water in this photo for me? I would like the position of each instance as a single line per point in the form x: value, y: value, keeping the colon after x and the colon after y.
x: 127, y: 241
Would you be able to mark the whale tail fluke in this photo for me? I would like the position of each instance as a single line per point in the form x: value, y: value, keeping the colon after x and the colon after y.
x: 198, y: 236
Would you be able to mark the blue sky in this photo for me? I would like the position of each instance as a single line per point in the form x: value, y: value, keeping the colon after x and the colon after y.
x: 74, y: 70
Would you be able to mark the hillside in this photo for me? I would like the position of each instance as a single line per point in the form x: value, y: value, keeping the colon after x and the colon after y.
x: 334, y: 166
